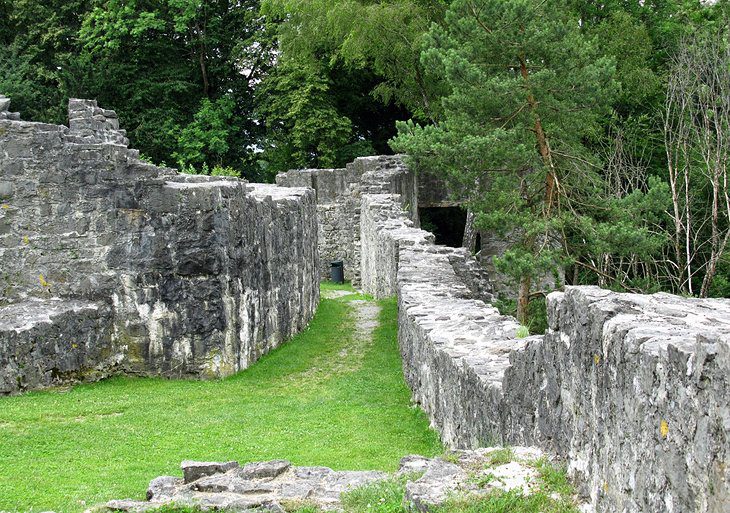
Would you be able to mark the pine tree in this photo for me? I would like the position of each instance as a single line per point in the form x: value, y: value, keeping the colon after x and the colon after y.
x: 527, y: 90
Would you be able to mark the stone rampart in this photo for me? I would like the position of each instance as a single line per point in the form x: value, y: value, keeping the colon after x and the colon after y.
x: 339, y: 196
x: 631, y: 390
x: 115, y: 265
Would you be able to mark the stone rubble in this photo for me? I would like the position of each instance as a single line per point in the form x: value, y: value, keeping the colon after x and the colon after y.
x: 262, y: 486
x: 471, y: 474
x: 279, y: 486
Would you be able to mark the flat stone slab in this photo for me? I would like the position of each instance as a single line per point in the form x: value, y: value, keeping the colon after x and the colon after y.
x: 278, y: 486
x: 259, y: 486
x: 53, y: 341
x: 194, y: 470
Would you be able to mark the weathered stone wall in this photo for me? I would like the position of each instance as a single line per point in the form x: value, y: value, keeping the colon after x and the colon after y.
x: 189, y: 275
x: 634, y: 391
x: 46, y: 342
x: 383, y: 229
x: 631, y: 390
x: 339, y: 197
x: 386, y: 228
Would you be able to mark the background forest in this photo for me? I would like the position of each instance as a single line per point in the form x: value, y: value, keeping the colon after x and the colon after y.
x: 594, y: 136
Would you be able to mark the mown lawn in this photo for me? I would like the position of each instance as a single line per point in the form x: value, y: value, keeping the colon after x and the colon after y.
x: 64, y: 451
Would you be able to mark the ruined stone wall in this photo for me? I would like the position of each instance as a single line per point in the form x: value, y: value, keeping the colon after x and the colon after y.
x: 386, y: 228
x: 339, y: 197
x: 631, y: 390
x: 147, y: 271
x: 634, y: 391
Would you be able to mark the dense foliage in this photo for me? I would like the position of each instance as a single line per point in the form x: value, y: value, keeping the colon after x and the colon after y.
x: 513, y: 137
x: 592, y: 136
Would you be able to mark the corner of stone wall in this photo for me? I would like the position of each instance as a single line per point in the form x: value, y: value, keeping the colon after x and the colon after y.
x: 339, y: 194
x: 384, y: 228
x: 5, y: 110
x: 198, y: 275
x: 631, y: 390
x: 90, y: 124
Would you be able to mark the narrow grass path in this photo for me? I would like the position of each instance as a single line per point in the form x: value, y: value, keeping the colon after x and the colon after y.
x: 333, y: 396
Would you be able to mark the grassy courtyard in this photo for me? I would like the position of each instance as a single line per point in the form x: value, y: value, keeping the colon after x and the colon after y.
x: 324, y: 398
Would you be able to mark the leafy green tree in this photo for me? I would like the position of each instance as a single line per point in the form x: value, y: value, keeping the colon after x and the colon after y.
x: 383, y: 37
x: 38, y: 49
x: 156, y: 62
x: 528, y: 89
x: 205, y: 140
x: 304, y: 127
x: 627, y: 40
x: 368, y: 53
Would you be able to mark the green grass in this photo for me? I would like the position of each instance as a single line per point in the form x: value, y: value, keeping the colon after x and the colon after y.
x: 501, y: 456
x: 66, y: 450
x: 509, y: 502
x: 379, y: 497
x: 554, y: 494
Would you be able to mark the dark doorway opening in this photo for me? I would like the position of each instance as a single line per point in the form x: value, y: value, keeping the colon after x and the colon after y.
x: 446, y: 223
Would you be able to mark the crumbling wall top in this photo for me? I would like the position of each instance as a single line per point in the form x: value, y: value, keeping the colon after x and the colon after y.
x: 5, y: 109
x: 90, y: 124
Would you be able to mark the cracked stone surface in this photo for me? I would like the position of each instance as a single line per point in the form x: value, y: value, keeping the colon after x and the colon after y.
x: 262, y: 486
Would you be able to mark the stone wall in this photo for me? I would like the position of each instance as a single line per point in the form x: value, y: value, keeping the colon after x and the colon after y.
x: 339, y: 197
x: 137, y: 268
x: 631, y: 390
x: 634, y: 391
x: 386, y: 229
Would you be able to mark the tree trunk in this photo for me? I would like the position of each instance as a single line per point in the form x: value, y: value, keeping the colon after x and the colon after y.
x: 204, y: 71
x: 542, y: 141
x: 523, y: 299
x: 470, y: 234
x: 201, y: 59
x: 424, y: 94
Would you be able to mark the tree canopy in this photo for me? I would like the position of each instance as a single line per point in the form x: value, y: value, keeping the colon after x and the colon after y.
x: 590, y: 136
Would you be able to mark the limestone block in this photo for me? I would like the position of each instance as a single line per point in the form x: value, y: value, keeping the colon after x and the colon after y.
x: 53, y: 342
x: 194, y: 470
x: 259, y: 486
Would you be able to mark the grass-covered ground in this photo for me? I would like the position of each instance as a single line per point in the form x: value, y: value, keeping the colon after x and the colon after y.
x: 64, y: 450
x: 552, y: 494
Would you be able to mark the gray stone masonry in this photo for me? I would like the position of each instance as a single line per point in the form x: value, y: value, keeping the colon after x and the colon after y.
x: 385, y: 228
x: 182, y: 275
x: 50, y: 341
x: 278, y: 486
x: 339, y: 193
x: 631, y: 390
x: 275, y: 486
x: 5, y: 109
